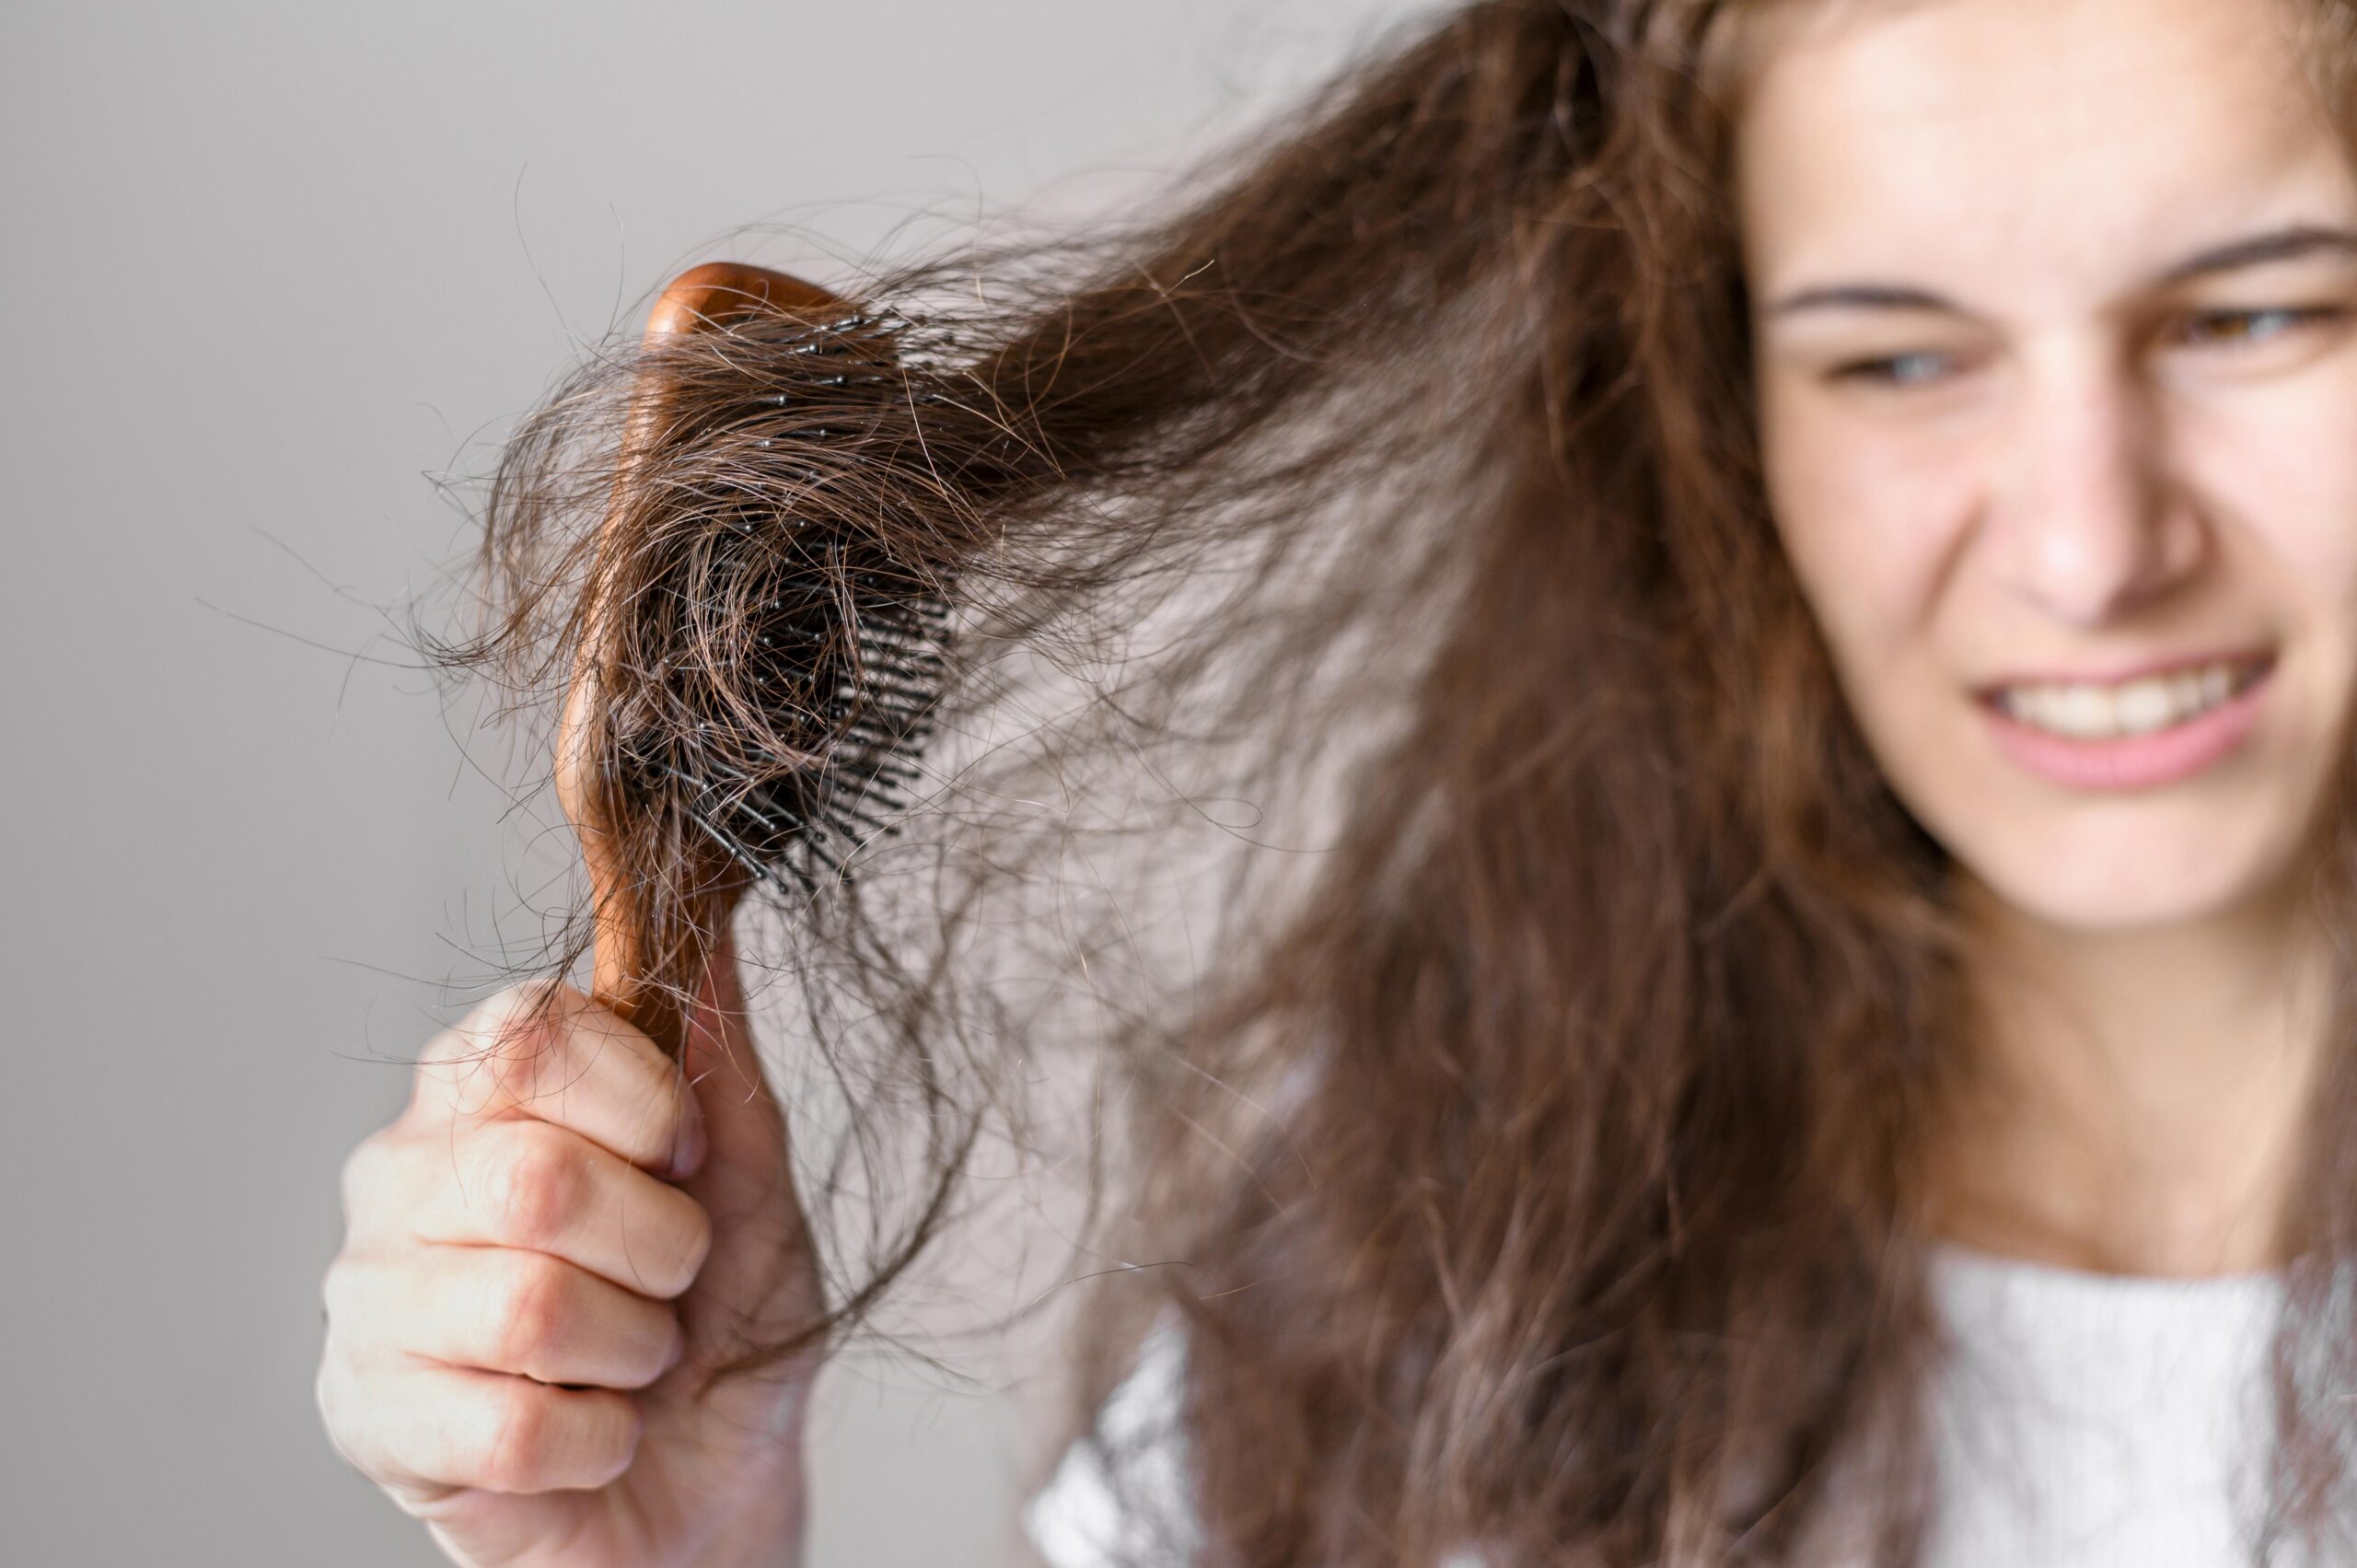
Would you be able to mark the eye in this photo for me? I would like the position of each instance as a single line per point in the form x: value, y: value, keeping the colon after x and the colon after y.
x: 1899, y: 370
x: 2243, y: 328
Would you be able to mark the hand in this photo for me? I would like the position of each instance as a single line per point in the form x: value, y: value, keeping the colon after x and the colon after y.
x: 522, y: 1307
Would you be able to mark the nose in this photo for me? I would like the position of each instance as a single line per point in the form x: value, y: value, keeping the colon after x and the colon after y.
x: 2088, y: 525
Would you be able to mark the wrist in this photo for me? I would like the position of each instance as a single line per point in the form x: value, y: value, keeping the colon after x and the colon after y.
x: 765, y: 1543
x: 767, y: 1533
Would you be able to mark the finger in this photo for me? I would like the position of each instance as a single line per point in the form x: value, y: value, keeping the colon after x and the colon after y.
x: 531, y: 1184
x: 494, y: 1309
x: 426, y: 1429
x: 547, y: 1051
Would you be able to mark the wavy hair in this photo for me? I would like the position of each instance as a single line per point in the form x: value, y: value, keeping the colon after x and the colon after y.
x: 1380, y: 740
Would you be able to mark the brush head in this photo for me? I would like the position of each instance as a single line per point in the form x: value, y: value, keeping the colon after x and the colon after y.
x: 798, y: 653
x: 760, y: 657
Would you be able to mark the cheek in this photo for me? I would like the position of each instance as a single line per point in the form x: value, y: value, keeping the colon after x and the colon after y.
x: 2301, y: 513
x: 2288, y: 471
x: 1870, y: 526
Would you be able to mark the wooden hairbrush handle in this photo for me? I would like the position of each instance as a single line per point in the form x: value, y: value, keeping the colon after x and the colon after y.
x: 704, y: 298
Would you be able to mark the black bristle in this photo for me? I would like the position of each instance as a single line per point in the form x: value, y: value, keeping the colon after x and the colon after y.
x: 850, y: 695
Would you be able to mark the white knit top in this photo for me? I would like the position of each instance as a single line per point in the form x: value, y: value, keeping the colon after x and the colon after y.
x: 2086, y: 1420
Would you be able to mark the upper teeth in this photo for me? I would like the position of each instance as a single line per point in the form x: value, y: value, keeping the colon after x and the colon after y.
x: 2134, y: 707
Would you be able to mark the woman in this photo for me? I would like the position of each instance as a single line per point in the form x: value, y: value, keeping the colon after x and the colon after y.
x: 1814, y: 1037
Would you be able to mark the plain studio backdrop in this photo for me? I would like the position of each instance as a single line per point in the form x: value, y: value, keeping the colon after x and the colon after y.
x: 271, y: 274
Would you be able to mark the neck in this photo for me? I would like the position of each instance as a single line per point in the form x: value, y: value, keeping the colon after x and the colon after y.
x: 2135, y: 1099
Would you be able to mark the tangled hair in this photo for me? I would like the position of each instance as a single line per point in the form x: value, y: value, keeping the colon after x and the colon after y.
x: 1377, y: 733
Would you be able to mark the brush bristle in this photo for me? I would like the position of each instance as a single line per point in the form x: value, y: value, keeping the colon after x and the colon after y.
x: 810, y: 655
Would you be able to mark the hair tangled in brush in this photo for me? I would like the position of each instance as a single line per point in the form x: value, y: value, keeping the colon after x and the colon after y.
x: 1529, y: 1075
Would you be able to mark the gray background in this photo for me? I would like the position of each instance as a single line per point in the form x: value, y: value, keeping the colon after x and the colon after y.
x: 268, y: 272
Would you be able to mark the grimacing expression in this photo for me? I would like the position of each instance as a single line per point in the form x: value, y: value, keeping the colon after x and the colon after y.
x: 2055, y: 311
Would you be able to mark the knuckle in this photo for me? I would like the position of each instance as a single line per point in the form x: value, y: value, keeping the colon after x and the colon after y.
x: 523, y: 1007
x: 503, y: 1045
x: 527, y: 1053
x: 325, y: 1399
x: 326, y: 1395
x: 534, y: 1184
x: 529, y: 1313
x: 342, y: 1292
x: 362, y: 1177
x: 517, y: 1434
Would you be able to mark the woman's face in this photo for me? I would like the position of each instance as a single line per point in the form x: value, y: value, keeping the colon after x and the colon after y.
x: 2058, y: 387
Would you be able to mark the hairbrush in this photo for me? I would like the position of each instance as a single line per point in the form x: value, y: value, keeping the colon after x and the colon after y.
x: 758, y: 660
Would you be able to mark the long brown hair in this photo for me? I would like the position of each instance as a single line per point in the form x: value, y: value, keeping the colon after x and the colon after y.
x: 1383, y: 739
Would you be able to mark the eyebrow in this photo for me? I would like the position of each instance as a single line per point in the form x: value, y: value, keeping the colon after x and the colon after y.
x: 2274, y: 245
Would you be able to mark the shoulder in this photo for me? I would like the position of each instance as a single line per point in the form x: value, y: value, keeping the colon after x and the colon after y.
x: 1120, y: 1495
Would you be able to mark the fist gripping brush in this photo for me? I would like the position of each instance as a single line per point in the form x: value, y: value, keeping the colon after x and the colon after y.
x: 758, y: 652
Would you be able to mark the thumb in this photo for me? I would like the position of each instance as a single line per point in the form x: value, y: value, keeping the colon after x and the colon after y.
x: 759, y: 1278
x: 744, y: 1126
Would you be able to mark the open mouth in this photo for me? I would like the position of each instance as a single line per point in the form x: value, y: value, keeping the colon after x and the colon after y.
x: 2154, y: 729
x: 2088, y: 711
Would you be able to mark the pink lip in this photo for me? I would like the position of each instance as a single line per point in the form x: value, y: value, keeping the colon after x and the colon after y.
x: 2135, y: 761
x: 2170, y: 665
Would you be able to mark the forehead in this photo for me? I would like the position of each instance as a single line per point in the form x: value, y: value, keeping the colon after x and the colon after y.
x: 1968, y: 131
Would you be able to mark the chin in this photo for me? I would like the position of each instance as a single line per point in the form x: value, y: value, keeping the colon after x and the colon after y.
x: 2097, y: 905
x: 2123, y: 867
